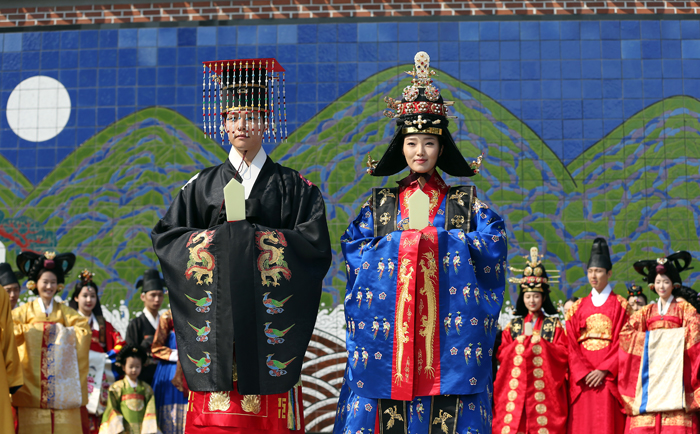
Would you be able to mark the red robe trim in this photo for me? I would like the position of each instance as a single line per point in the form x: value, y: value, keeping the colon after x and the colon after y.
x: 632, y: 337
x: 593, y: 338
x: 530, y: 387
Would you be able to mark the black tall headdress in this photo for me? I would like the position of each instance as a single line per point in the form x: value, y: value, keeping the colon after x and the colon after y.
x: 33, y: 265
x: 635, y: 291
x: 534, y: 279
x: 421, y: 111
x: 151, y: 281
x: 600, y: 255
x: 7, y: 276
x: 670, y: 266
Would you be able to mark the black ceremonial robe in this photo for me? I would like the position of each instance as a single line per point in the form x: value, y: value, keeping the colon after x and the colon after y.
x: 140, y: 333
x: 254, y: 285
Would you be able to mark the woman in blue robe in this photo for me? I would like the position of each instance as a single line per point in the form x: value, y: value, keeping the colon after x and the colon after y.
x: 421, y: 305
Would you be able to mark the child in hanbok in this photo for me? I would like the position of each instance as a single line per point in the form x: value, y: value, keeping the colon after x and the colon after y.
x: 131, y: 407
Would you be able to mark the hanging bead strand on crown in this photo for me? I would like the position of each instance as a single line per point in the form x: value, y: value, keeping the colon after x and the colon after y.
x: 284, y: 103
x: 204, y: 99
x: 272, y: 103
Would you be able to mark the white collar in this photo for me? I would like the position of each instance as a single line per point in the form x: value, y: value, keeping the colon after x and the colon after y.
x: 599, y: 298
x: 92, y: 321
x: 132, y: 384
x: 663, y: 310
x: 44, y: 309
x: 153, y: 320
x: 248, y: 173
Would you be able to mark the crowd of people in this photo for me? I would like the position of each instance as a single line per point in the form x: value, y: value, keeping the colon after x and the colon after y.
x: 617, y: 365
x: 68, y: 370
x: 245, y: 248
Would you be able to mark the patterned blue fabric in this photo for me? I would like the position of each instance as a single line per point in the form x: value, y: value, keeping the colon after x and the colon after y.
x: 171, y: 404
x: 471, y: 286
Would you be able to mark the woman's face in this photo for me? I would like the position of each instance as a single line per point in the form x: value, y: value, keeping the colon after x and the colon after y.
x: 533, y: 301
x: 663, y: 286
x: 87, y: 299
x: 46, y: 286
x: 421, y: 152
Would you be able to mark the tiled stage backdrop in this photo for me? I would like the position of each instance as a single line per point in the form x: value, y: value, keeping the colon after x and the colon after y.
x: 590, y: 128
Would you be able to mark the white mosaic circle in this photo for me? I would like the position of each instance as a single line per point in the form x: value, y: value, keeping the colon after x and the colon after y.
x: 38, y: 108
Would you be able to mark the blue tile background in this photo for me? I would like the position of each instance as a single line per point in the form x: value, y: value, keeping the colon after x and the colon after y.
x: 570, y: 81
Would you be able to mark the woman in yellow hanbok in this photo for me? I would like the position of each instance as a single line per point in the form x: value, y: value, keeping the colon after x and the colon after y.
x: 53, y: 341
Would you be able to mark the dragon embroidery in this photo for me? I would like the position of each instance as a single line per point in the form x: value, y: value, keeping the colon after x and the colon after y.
x: 271, y: 262
x: 429, y: 267
x: 401, y: 329
x: 201, y: 263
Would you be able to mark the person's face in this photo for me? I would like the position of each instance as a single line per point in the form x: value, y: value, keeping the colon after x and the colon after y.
x: 152, y: 300
x: 47, y: 286
x: 568, y: 305
x: 421, y: 152
x: 132, y: 368
x: 663, y: 286
x: 13, y: 292
x: 598, y: 277
x: 533, y: 301
x: 245, y: 131
x: 87, y: 299
x: 636, y: 303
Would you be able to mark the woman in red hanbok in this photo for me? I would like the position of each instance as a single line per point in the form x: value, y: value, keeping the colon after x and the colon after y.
x: 530, y: 388
x: 106, y: 343
x: 659, y: 355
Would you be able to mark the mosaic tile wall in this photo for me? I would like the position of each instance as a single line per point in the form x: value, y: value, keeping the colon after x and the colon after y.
x: 589, y: 128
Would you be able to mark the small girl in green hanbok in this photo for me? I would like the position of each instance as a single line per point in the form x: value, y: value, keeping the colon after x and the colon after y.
x: 131, y: 407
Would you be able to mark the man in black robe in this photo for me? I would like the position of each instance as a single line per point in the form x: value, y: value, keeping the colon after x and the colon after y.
x: 142, y: 329
x: 244, y: 294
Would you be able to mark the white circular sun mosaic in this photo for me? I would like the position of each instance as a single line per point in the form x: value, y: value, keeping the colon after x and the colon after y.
x: 38, y: 108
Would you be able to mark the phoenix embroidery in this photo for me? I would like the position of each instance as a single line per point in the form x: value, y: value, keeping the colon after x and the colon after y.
x: 271, y: 262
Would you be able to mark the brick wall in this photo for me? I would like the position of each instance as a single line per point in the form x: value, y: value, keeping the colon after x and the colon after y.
x: 279, y: 9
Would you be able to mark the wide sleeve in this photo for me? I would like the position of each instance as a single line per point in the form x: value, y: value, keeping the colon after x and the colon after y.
x: 149, y: 424
x: 9, y: 357
x: 691, y: 365
x: 160, y: 349
x: 83, y: 337
x: 579, y: 366
x: 630, y: 352
x: 621, y: 317
x: 555, y: 355
x: 112, y: 419
x: 248, y: 283
x: 114, y: 339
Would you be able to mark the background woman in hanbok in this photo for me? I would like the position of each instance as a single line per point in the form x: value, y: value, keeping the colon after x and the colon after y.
x: 530, y: 388
x: 659, y: 355
x: 421, y: 305
x: 53, y: 342
x: 104, y: 346
x: 171, y: 402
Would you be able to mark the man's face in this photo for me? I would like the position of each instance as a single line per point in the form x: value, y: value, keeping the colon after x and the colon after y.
x: 13, y: 291
x: 598, y: 277
x: 245, y: 131
x: 152, y: 300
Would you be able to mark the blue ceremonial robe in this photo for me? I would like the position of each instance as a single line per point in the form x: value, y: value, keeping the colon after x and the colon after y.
x: 421, y: 310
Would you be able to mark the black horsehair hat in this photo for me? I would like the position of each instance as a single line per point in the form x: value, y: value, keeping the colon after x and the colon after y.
x: 421, y: 111
x: 600, y: 255
x: 7, y: 276
x: 151, y: 281
x: 534, y: 279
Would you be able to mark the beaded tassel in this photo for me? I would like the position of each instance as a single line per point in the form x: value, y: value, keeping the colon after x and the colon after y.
x: 204, y: 98
x: 273, y: 127
x: 284, y: 104
x: 279, y: 111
